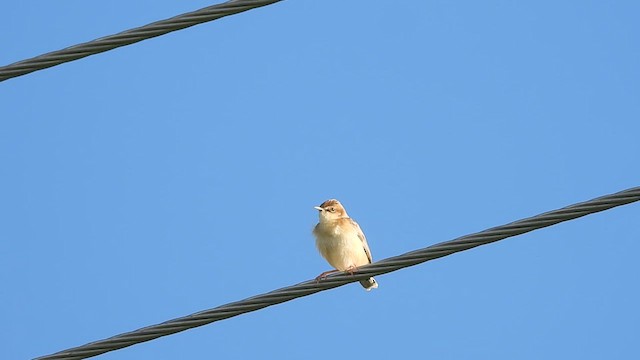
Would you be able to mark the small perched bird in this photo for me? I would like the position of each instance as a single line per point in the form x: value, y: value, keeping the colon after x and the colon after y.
x: 341, y: 241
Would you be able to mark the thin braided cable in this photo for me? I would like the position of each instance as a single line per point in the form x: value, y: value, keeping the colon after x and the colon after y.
x: 381, y: 267
x: 131, y: 36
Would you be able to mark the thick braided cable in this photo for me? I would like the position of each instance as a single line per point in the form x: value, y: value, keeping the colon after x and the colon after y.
x: 129, y: 37
x: 381, y: 267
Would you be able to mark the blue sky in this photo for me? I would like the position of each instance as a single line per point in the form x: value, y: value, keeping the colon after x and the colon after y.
x: 180, y: 173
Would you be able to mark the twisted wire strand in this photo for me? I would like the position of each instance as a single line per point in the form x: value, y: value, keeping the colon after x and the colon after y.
x: 333, y: 281
x: 131, y: 36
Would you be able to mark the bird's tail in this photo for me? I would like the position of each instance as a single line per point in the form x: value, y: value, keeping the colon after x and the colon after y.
x: 369, y: 284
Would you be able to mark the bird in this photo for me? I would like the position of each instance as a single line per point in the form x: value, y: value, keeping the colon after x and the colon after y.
x: 341, y: 242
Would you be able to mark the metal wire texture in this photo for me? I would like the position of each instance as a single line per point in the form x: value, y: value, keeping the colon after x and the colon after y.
x: 131, y: 36
x: 381, y: 267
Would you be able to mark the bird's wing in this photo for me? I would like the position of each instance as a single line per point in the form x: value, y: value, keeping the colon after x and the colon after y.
x: 363, y: 239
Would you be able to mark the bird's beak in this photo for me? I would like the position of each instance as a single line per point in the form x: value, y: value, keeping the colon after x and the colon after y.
x: 318, y: 208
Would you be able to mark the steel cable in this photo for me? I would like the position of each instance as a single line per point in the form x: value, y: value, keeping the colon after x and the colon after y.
x: 130, y: 37
x: 381, y: 267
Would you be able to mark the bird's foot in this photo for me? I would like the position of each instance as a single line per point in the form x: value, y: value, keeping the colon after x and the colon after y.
x: 324, y: 275
x: 352, y: 269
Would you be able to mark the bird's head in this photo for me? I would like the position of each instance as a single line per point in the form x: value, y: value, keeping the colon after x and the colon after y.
x: 331, y: 210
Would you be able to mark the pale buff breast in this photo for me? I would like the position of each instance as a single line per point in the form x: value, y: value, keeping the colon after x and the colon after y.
x: 340, y: 245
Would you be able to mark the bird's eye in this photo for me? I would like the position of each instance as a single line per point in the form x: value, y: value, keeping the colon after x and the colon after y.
x: 332, y: 209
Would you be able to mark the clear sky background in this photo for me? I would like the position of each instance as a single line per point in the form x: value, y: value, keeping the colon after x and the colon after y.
x: 180, y: 173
